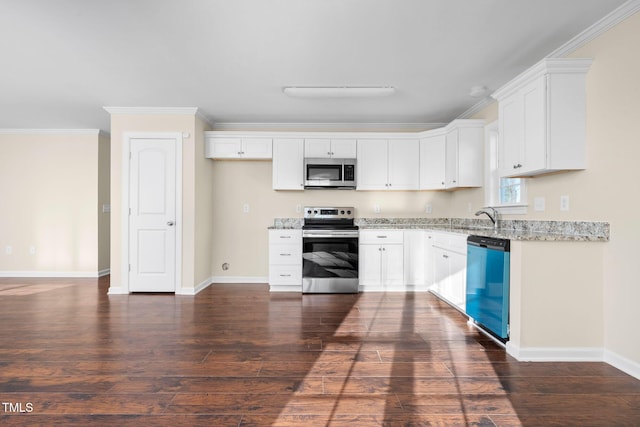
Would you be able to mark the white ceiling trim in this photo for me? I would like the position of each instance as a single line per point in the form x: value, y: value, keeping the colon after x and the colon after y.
x: 326, y: 127
x: 50, y: 131
x: 479, y: 106
x: 614, y: 18
x: 191, y: 111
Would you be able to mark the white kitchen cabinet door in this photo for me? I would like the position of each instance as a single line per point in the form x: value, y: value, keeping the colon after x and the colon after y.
x: 542, y: 119
x: 392, y: 263
x: 432, y: 162
x: 344, y: 148
x: 450, y: 270
x: 369, y: 267
x: 458, y: 275
x: 256, y: 148
x: 330, y: 148
x: 414, y: 259
x: 464, y: 154
x: 372, y: 164
x: 428, y: 259
x: 288, y: 164
x: 223, y: 148
x: 404, y: 164
x: 317, y: 148
x: 451, y: 159
x: 238, y: 148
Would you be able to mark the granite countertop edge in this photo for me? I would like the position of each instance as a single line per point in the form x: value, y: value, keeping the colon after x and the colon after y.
x: 578, y: 231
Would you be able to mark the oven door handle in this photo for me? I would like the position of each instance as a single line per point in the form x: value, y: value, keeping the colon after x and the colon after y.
x: 324, y: 234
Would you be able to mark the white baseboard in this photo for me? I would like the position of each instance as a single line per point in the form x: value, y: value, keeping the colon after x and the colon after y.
x: 628, y: 366
x: 240, y: 279
x: 555, y: 354
x: 54, y: 274
x: 198, y: 288
x: 104, y: 272
x: 116, y: 290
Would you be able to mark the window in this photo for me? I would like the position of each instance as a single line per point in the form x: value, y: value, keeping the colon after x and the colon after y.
x: 508, y: 195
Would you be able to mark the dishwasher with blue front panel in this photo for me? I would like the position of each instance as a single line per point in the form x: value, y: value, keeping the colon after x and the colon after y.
x: 487, y: 293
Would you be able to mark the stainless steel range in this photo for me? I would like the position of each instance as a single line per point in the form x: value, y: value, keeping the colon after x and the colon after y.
x: 329, y: 250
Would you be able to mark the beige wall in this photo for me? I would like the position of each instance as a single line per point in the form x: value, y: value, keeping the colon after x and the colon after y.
x: 204, y: 209
x: 50, y: 185
x: 241, y: 239
x: 150, y: 123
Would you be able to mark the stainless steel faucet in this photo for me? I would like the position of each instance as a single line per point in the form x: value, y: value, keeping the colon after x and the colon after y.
x: 491, y: 213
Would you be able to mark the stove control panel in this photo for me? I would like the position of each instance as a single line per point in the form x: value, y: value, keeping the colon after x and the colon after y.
x: 314, y: 212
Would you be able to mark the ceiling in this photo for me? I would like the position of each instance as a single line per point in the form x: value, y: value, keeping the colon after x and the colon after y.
x: 64, y: 60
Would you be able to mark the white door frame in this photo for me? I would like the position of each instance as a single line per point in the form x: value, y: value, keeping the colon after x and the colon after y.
x: 124, y: 233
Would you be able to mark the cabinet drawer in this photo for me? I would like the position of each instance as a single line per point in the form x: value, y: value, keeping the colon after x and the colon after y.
x: 285, y: 274
x: 285, y: 254
x: 450, y: 241
x: 381, y: 237
x: 287, y: 236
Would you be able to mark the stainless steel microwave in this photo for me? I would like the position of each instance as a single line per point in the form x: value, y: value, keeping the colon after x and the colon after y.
x: 330, y: 173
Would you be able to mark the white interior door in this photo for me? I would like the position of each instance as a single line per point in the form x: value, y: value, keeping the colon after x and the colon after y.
x: 152, y: 217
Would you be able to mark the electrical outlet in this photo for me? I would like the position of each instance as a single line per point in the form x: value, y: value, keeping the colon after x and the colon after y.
x: 376, y: 208
x: 564, y: 203
x: 428, y: 208
x: 8, y: 250
x: 538, y: 204
x: 245, y: 208
x: 32, y: 250
x: 298, y: 208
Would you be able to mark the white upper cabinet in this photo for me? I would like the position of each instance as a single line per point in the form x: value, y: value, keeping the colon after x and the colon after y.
x: 330, y: 148
x: 452, y: 157
x: 288, y: 160
x: 464, y: 154
x: 219, y: 147
x: 432, y: 161
x: 542, y: 119
x: 392, y: 164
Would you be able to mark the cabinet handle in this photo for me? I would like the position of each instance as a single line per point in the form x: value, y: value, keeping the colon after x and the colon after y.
x: 517, y: 166
x: 285, y: 275
x: 445, y: 256
x: 381, y: 237
x: 285, y: 254
x: 285, y: 237
x: 384, y: 249
x: 442, y: 183
x: 329, y: 153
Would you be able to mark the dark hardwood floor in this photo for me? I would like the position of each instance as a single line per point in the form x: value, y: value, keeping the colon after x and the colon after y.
x: 236, y: 355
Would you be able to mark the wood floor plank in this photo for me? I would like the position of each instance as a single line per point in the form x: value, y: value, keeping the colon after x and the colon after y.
x: 238, y: 355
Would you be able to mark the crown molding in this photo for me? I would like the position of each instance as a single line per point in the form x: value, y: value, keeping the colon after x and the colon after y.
x: 50, y: 132
x: 614, y: 18
x: 191, y: 111
x: 479, y: 106
x: 325, y: 127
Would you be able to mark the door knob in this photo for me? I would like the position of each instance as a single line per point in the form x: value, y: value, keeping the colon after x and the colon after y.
x: 169, y: 223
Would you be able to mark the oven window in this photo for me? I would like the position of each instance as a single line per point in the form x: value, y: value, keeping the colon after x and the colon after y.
x: 330, y: 257
x: 324, y: 172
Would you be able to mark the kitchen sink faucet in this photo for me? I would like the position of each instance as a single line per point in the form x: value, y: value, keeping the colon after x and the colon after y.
x: 491, y: 213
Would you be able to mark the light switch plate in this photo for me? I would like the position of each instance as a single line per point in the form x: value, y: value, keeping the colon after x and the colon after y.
x: 564, y: 203
x: 538, y: 204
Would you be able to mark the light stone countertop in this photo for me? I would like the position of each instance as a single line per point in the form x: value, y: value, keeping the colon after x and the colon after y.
x: 577, y: 231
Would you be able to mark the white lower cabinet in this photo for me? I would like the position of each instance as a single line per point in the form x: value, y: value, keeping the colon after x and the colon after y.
x: 381, y: 260
x: 449, y: 263
x: 415, y: 268
x: 285, y: 260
